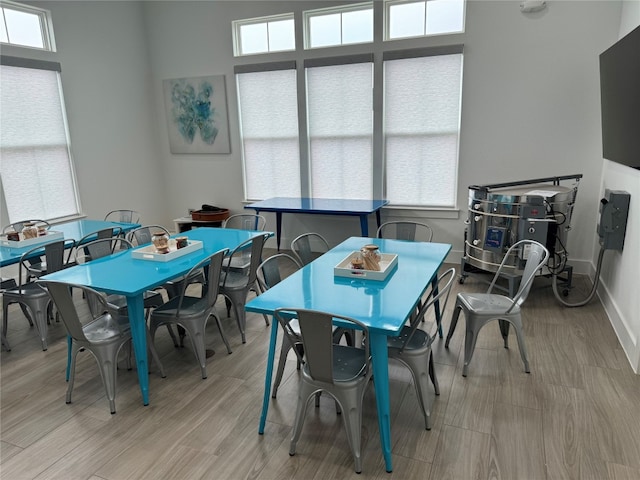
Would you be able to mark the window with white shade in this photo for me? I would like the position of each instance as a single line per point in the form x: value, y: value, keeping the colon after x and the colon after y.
x: 340, y: 123
x: 422, y: 128
x: 267, y: 102
x: 37, y: 174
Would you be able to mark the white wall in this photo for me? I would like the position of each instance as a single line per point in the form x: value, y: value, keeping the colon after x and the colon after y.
x: 618, y: 287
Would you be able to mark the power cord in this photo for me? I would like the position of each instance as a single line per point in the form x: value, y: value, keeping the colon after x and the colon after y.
x: 554, y: 284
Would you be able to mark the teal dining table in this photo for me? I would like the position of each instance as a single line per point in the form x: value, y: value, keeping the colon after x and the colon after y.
x: 382, y: 305
x: 124, y: 274
x: 72, y: 230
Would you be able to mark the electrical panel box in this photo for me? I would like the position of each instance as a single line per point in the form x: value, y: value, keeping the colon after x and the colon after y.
x: 614, y: 212
x: 534, y: 229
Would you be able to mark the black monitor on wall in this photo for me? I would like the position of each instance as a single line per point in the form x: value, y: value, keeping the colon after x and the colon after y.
x: 620, y: 100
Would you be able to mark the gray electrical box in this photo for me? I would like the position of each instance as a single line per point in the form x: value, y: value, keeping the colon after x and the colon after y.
x: 534, y: 229
x: 614, y: 212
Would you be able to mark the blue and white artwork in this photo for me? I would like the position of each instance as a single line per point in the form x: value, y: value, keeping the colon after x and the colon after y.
x: 197, y: 115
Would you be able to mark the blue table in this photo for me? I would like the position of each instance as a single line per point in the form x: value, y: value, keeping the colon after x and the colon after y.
x: 383, y: 306
x: 73, y: 230
x: 323, y: 206
x: 124, y: 275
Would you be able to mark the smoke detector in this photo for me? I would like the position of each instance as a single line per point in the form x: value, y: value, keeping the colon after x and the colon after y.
x: 528, y: 6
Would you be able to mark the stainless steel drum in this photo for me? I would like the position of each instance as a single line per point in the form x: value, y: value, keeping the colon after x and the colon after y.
x: 502, y: 214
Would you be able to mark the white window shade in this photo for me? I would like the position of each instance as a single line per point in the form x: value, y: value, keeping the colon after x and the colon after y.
x: 269, y: 129
x: 340, y: 111
x: 36, y: 171
x: 421, y: 129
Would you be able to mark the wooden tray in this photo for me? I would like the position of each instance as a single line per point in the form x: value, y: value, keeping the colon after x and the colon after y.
x: 209, y: 216
x: 149, y: 252
x: 31, y: 242
x: 388, y: 261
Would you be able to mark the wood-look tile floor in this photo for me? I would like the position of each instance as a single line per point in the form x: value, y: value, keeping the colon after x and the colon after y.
x: 576, y: 416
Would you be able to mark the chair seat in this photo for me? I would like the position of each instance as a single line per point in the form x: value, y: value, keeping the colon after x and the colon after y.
x: 151, y: 299
x: 419, y: 340
x: 487, y: 303
x: 191, y: 306
x: 234, y: 281
x: 32, y: 290
x: 106, y: 328
x: 349, y: 363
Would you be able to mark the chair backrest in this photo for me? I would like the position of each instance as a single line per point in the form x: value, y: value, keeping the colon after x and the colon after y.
x: 404, y: 230
x: 254, y: 245
x: 245, y: 221
x: 53, y: 254
x: 212, y: 267
x: 307, y: 246
x: 274, y: 269
x: 142, y: 235
x: 100, y: 248
x: 18, y: 226
x: 316, y: 330
x: 536, y: 255
x: 60, y: 293
x: 123, y: 216
x: 439, y: 294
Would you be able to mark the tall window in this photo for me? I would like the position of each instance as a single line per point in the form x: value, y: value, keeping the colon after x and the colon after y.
x: 340, y: 111
x: 268, y: 108
x: 422, y: 128
x: 36, y: 170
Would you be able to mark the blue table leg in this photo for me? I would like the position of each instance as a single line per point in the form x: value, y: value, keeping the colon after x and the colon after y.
x: 268, y: 374
x: 135, y: 310
x: 379, y: 355
x: 364, y: 225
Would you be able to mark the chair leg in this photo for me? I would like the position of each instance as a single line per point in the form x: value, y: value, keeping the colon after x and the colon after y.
x: 197, y: 342
x: 504, y: 331
x: 108, y: 372
x: 173, y: 336
x: 305, y: 392
x: 432, y: 374
x: 470, y: 338
x: 72, y: 370
x: 154, y: 354
x: 351, y: 404
x: 517, y: 324
x: 421, y: 373
x: 5, y: 311
x: 284, y: 351
x: 224, y: 337
x: 454, y: 322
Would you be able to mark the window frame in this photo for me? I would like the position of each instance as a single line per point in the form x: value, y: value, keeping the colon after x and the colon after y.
x: 387, y: 21
x: 46, y: 27
x: 237, y: 25
x: 320, y: 12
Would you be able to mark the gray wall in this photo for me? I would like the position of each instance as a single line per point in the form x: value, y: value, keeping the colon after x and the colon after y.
x: 530, y: 109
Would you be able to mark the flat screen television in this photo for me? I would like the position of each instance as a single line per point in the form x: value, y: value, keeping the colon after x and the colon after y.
x: 620, y: 100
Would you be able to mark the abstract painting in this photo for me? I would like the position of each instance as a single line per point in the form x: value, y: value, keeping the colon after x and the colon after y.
x: 197, y: 114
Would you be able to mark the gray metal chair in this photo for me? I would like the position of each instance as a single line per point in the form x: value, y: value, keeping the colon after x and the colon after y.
x: 307, y: 246
x: 339, y: 370
x: 192, y: 313
x: 123, y: 216
x: 102, y: 334
x: 480, y: 308
x: 118, y: 303
x: 236, y: 284
x: 34, y: 299
x: 406, y: 230
x: 6, y: 283
x: 245, y: 221
x: 413, y: 346
x: 18, y: 226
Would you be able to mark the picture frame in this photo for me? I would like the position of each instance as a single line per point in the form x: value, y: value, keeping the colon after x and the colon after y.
x: 197, y: 115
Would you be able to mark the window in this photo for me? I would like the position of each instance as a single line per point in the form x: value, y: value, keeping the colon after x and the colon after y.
x: 422, y: 128
x: 340, y: 119
x: 267, y: 102
x: 406, y: 19
x: 339, y: 26
x: 25, y: 26
x: 264, y: 35
x: 36, y: 169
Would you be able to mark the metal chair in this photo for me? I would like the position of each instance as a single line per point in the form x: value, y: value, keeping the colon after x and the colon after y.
x: 245, y: 221
x: 339, y: 370
x: 18, y: 226
x: 413, y: 346
x: 6, y: 283
x: 405, y: 230
x: 31, y: 296
x: 123, y: 216
x: 236, y: 284
x: 480, y: 308
x: 102, y: 334
x: 192, y: 313
x: 118, y: 303
x: 307, y: 246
